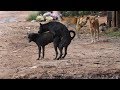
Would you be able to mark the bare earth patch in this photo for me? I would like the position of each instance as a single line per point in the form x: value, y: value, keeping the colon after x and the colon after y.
x: 84, y: 60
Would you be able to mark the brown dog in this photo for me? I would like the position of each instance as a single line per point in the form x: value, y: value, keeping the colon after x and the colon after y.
x: 76, y: 22
x: 94, y: 28
x: 81, y: 22
x: 68, y: 21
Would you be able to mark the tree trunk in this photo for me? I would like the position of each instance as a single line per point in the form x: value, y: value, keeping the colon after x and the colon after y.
x: 118, y: 19
x: 113, y: 18
x: 109, y: 18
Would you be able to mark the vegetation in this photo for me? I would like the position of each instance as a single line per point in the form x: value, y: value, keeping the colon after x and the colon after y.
x: 113, y: 32
x: 77, y: 13
x: 32, y: 16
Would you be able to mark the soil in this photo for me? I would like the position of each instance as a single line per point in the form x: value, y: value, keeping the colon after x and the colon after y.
x: 83, y: 61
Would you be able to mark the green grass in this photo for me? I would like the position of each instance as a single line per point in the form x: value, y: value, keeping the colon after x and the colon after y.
x: 32, y: 16
x: 113, y: 32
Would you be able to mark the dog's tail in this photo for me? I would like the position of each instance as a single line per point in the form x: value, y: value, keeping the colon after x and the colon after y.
x: 71, y: 31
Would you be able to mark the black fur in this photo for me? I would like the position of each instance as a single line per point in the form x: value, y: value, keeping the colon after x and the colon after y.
x: 62, y: 37
x: 41, y: 40
x: 45, y: 38
x: 57, y: 28
x: 64, y: 43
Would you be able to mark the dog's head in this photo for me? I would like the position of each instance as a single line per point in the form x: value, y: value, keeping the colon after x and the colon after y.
x: 82, y: 20
x: 32, y: 36
x: 40, y: 28
x: 92, y: 20
x: 103, y: 27
x: 43, y: 27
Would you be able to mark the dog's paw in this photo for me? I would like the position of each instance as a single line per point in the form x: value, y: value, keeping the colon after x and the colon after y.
x: 38, y: 59
x: 42, y: 58
x: 61, y: 58
x: 54, y: 58
x: 58, y: 58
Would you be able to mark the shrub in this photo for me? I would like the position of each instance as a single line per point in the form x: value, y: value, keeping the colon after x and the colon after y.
x: 113, y: 32
x: 78, y: 13
x: 32, y: 16
x: 39, y: 18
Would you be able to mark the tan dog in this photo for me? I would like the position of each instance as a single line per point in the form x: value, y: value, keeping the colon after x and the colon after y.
x: 75, y: 22
x: 93, y: 26
x: 81, y: 22
x: 68, y: 21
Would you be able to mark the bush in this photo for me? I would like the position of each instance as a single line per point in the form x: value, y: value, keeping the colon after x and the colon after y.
x: 113, y: 32
x: 39, y: 18
x: 32, y: 16
x: 77, y: 13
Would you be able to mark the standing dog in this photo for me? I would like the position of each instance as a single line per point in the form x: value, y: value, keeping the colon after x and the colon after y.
x: 44, y: 39
x: 41, y: 41
x: 81, y: 22
x: 94, y: 28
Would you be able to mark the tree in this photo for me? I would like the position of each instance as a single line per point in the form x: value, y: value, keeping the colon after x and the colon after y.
x: 109, y: 18
x: 118, y: 19
x: 113, y: 18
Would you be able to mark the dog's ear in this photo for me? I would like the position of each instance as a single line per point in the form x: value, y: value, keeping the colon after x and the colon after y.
x: 40, y: 24
x: 87, y: 18
x: 82, y: 15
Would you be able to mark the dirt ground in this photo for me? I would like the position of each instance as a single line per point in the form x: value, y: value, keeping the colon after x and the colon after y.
x: 83, y: 61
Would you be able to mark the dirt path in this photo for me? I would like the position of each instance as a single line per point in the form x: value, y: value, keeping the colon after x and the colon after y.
x: 84, y: 60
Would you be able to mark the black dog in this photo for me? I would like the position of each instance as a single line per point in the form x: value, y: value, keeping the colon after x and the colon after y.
x: 63, y: 43
x: 44, y: 39
x: 57, y: 28
x: 41, y: 40
x: 61, y: 36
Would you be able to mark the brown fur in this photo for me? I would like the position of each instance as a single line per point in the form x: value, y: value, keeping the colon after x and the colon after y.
x: 81, y: 21
x: 94, y: 28
x: 75, y: 21
x: 69, y: 20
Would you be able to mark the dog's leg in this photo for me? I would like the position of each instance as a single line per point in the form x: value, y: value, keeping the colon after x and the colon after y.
x: 60, y: 48
x: 77, y: 31
x: 78, y: 34
x: 61, y: 45
x: 92, y: 35
x: 56, y: 43
x: 65, y: 52
x: 43, y: 49
x: 39, y: 52
x: 55, y: 47
x: 98, y: 33
x: 95, y: 32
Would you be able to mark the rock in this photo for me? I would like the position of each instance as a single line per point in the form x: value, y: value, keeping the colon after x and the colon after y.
x: 33, y: 67
x: 33, y: 21
x: 27, y: 27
